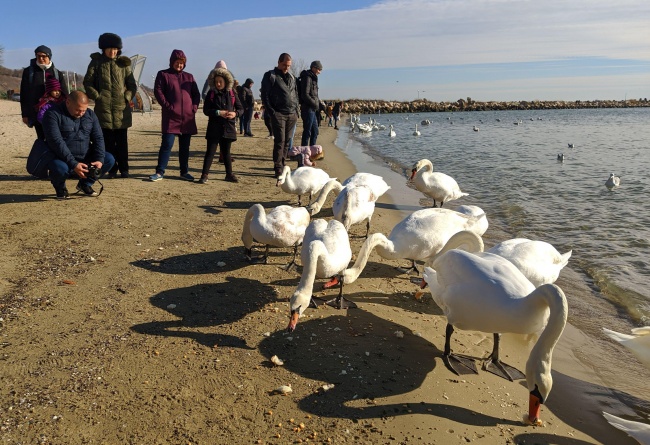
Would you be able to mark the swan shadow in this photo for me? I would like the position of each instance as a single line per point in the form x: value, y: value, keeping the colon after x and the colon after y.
x: 196, y: 263
x: 268, y: 205
x: 376, y: 365
x: 208, y: 305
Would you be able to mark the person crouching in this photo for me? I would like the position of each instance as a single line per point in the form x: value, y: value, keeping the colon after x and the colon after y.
x: 306, y: 155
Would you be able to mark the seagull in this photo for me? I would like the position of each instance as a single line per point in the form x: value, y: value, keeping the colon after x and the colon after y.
x: 571, y: 145
x: 560, y: 157
x: 612, y: 181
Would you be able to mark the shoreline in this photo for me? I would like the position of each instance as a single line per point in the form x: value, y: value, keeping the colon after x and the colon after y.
x: 134, y: 317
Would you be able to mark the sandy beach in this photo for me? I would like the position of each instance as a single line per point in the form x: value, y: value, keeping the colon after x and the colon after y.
x: 135, y: 318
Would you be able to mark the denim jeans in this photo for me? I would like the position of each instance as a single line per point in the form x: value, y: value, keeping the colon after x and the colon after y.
x: 309, y: 127
x: 166, y: 150
x: 59, y: 171
x: 283, y: 126
x: 246, y: 120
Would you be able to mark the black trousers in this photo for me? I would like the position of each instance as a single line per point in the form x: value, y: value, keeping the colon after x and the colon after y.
x: 224, y: 148
x: 283, y: 125
x: 117, y: 144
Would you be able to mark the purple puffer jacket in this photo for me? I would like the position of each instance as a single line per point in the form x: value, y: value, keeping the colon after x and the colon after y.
x: 179, y: 97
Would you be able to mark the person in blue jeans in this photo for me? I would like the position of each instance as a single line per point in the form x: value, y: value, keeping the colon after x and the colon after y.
x: 309, y: 103
x: 69, y: 129
x: 179, y: 96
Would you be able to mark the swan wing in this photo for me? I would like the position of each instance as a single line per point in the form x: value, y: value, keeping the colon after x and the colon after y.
x: 639, y: 431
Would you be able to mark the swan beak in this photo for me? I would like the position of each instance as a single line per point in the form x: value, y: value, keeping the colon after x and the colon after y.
x: 412, y: 174
x: 534, y: 407
x: 334, y: 281
x: 293, y: 321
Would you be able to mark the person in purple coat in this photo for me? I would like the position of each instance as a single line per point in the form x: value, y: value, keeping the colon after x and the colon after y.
x: 179, y: 96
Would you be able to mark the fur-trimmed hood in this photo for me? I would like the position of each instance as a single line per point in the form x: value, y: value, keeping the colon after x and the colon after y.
x: 122, y: 61
x: 227, y: 76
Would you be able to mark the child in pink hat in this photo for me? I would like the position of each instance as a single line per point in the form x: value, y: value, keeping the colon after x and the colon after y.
x: 53, y: 95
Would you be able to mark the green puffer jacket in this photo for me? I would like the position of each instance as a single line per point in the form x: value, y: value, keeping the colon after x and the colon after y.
x: 110, y: 83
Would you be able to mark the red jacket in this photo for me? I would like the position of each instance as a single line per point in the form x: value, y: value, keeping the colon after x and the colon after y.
x: 179, y: 97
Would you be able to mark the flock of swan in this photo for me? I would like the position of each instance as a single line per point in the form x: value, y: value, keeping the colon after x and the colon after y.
x: 508, y: 288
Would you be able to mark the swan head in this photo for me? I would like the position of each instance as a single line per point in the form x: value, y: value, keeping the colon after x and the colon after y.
x: 297, y: 305
x: 283, y: 176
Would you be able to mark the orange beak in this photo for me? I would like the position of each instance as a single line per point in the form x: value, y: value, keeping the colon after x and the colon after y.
x: 534, y: 407
x: 293, y: 321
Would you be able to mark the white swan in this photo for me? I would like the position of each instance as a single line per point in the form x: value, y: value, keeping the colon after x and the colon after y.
x: 325, y: 253
x: 539, y: 261
x: 475, y: 128
x: 487, y: 293
x: 302, y: 180
x: 391, y: 132
x: 419, y: 236
x: 375, y: 182
x: 439, y: 186
x: 355, y: 203
x: 284, y: 226
x: 416, y: 132
x: 638, y: 343
x: 639, y: 431
x: 612, y: 181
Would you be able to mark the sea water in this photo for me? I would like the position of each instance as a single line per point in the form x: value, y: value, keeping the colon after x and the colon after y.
x: 510, y: 169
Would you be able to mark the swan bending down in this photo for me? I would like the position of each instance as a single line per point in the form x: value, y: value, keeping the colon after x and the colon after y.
x: 375, y: 182
x: 539, y: 261
x: 487, y: 293
x: 419, y: 236
x: 639, y: 431
x: 638, y: 343
x: 325, y: 253
x: 612, y: 181
x: 302, y: 180
x: 439, y: 186
x: 283, y: 226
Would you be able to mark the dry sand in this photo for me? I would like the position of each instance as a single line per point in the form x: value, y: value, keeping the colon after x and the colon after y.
x: 134, y: 318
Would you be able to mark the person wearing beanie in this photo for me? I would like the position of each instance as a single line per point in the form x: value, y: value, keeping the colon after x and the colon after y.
x: 206, y: 84
x: 309, y: 103
x: 222, y: 107
x: 110, y: 83
x: 178, y: 95
x: 32, y: 86
x: 53, y: 95
x: 248, y: 102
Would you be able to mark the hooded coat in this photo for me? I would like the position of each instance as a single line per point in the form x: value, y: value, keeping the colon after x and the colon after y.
x: 110, y: 83
x: 179, y: 96
x: 226, y: 99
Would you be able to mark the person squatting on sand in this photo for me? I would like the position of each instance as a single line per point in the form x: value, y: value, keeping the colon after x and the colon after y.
x: 69, y: 128
x: 222, y: 107
x: 306, y: 155
x: 110, y: 83
x: 280, y: 100
x: 32, y: 86
x: 178, y: 95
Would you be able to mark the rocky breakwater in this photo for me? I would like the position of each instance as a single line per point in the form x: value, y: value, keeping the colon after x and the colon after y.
x: 358, y: 106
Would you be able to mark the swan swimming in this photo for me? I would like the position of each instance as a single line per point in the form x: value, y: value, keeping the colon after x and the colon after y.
x: 391, y: 132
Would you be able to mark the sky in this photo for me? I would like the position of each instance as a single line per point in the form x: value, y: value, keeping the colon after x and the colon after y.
x: 441, y: 50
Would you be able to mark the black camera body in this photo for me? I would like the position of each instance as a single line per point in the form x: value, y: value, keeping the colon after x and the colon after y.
x: 93, y: 173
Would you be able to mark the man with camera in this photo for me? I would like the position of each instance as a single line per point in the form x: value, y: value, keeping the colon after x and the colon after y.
x: 70, y: 127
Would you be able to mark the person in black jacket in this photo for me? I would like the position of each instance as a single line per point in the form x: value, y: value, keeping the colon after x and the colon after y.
x: 69, y: 128
x: 248, y: 102
x: 32, y: 86
x: 222, y: 107
x: 309, y: 103
x: 280, y: 100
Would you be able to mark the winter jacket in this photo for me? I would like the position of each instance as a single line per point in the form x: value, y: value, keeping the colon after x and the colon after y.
x: 179, y: 96
x: 218, y: 126
x: 306, y: 154
x: 246, y: 95
x: 110, y: 83
x: 279, y: 92
x: 31, y: 90
x: 69, y: 138
x: 309, y: 93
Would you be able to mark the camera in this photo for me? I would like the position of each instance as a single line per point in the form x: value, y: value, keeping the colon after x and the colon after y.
x: 93, y: 173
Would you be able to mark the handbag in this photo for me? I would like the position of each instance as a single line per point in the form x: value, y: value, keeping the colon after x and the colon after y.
x: 38, y: 159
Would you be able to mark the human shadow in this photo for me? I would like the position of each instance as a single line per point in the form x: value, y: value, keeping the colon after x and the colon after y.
x: 196, y: 263
x: 13, y: 198
x: 364, y: 360
x: 268, y: 205
x: 215, y: 306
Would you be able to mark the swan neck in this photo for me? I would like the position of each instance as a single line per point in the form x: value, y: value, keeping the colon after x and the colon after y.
x: 317, y: 205
x: 465, y: 239
x: 351, y: 274
x: 253, y: 212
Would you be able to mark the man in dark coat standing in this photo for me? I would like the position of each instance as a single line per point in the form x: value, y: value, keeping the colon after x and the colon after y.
x: 248, y: 102
x: 32, y: 86
x: 179, y: 96
x: 309, y: 103
x: 280, y: 100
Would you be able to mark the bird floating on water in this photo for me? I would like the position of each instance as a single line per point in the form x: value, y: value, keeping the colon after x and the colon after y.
x: 475, y: 128
x: 560, y: 157
x: 416, y: 132
x: 612, y: 181
x: 571, y: 145
x: 392, y: 133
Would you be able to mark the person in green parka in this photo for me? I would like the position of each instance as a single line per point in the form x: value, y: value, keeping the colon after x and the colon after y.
x: 110, y: 83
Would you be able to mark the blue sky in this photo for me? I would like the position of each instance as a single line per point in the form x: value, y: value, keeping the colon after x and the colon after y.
x: 390, y: 49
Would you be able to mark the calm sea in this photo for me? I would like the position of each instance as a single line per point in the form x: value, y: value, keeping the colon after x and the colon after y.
x: 512, y: 172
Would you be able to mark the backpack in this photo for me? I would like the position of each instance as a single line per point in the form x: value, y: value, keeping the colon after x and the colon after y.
x: 232, y: 97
